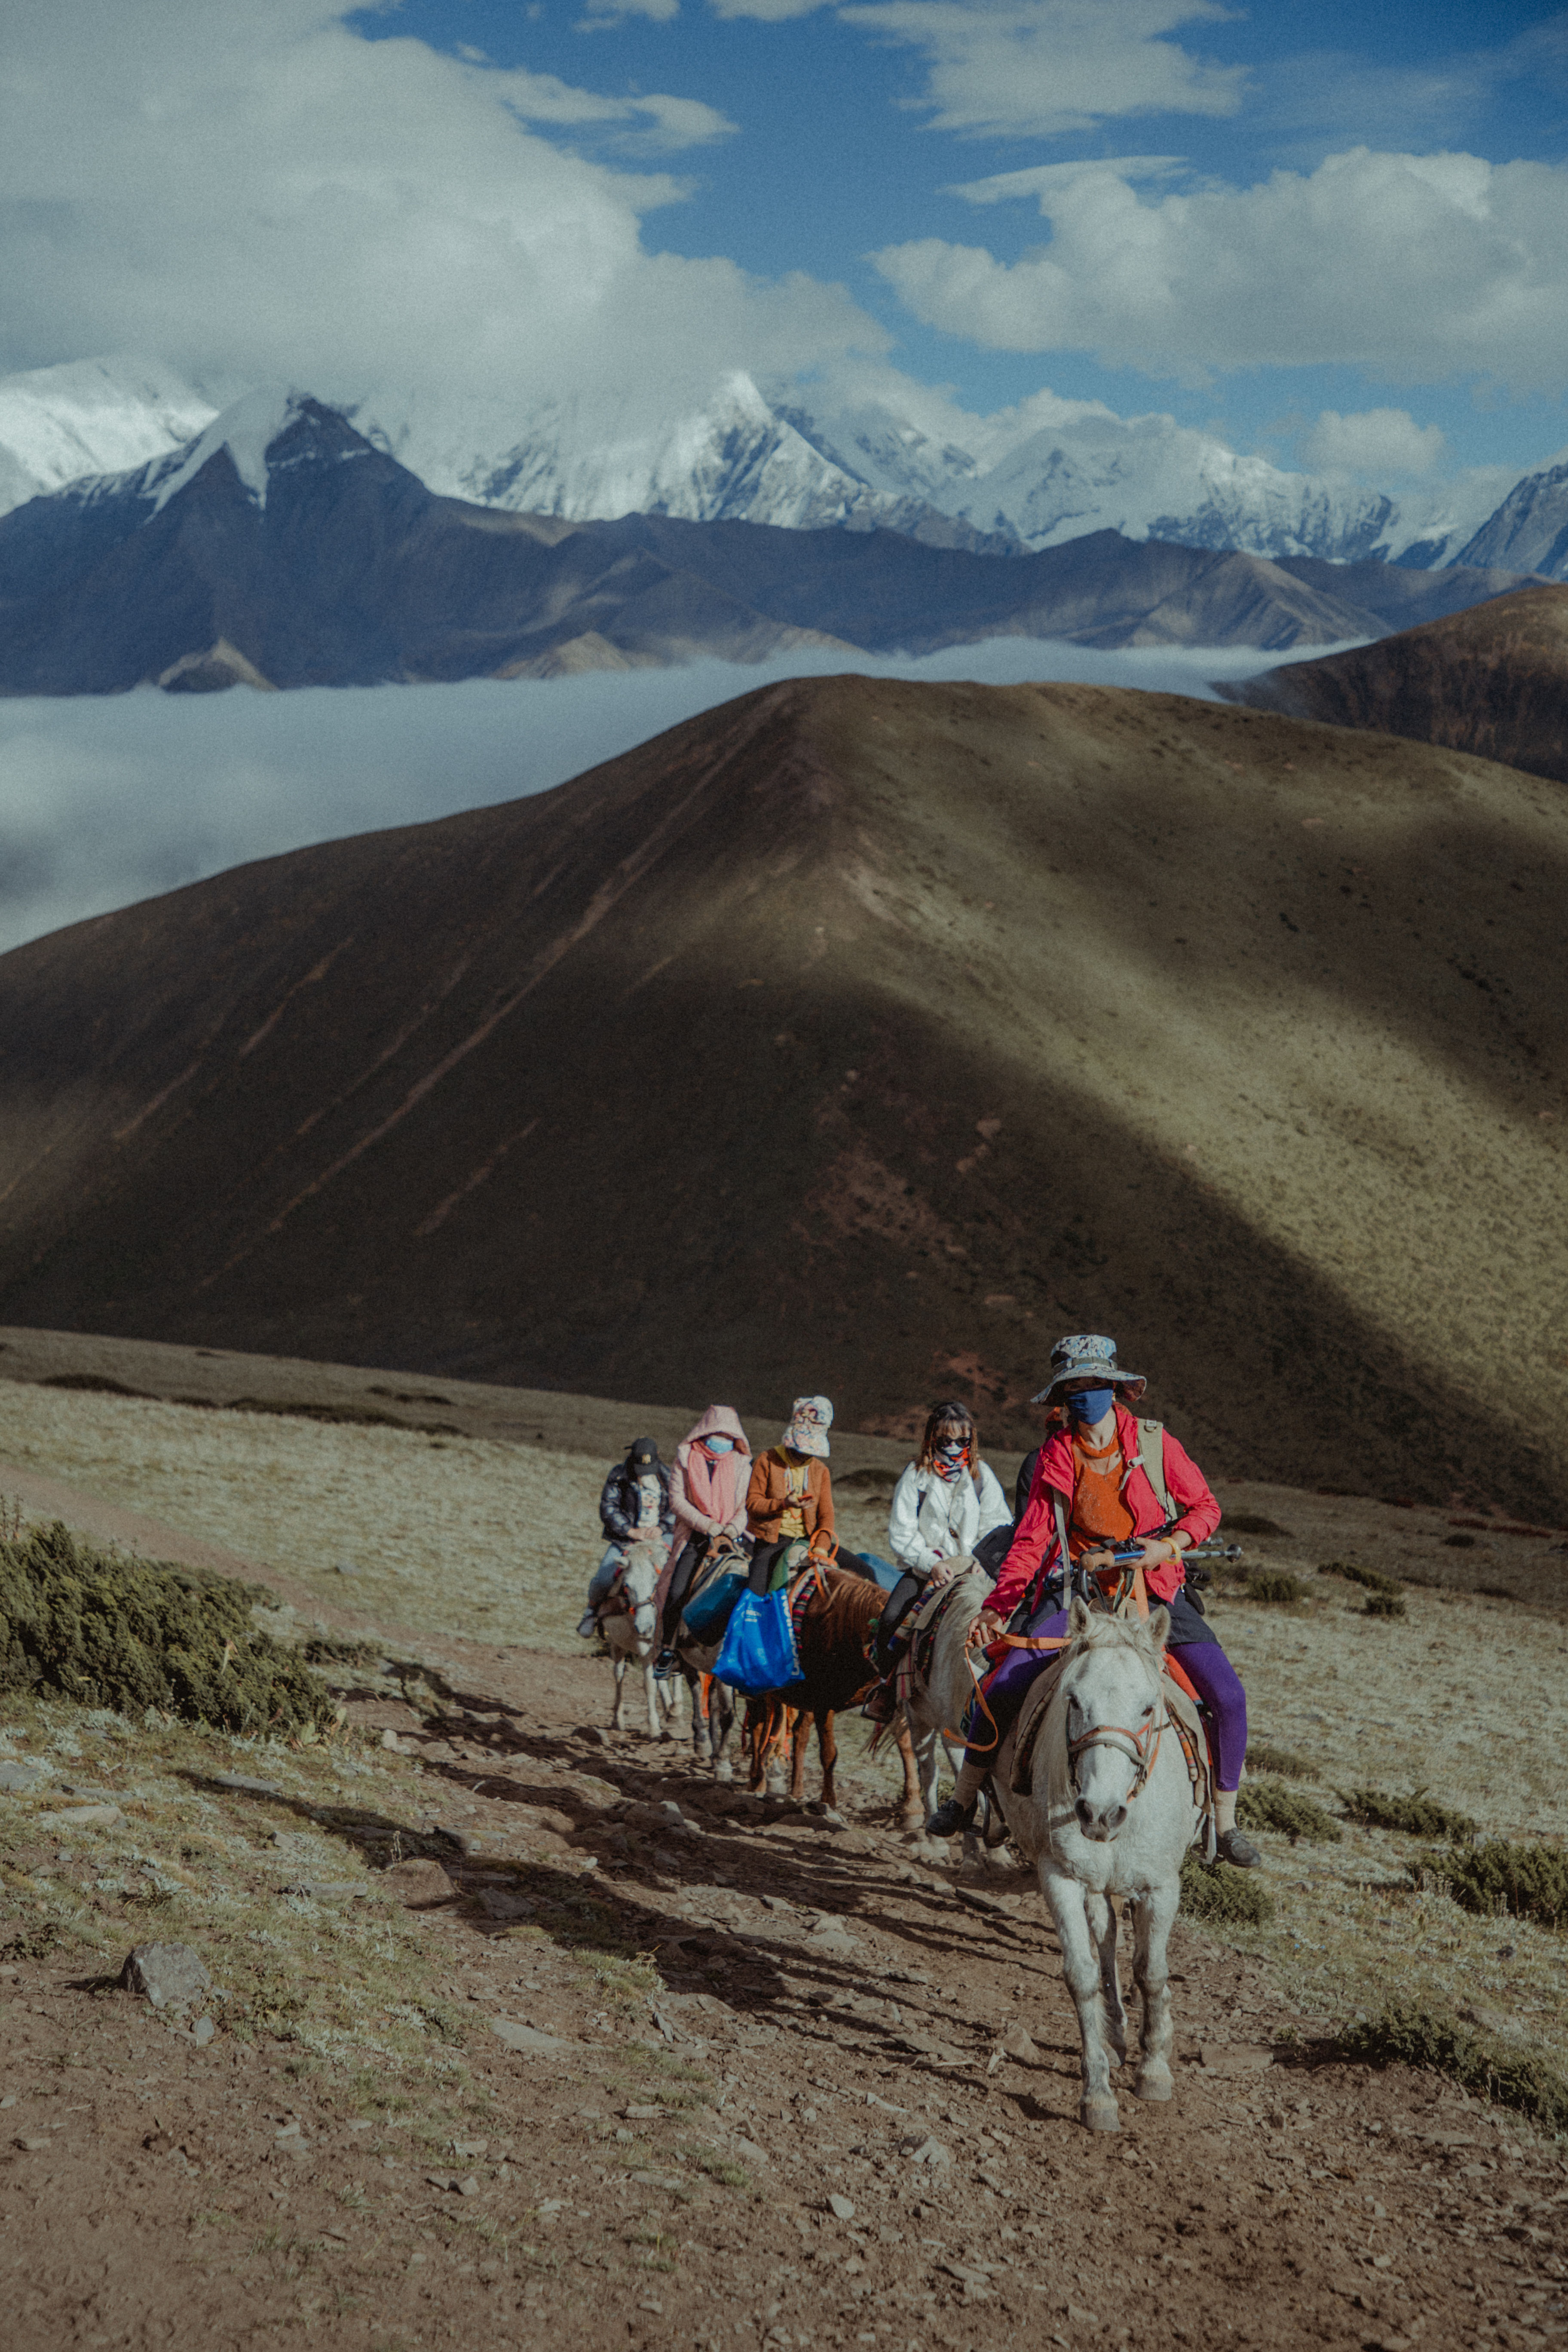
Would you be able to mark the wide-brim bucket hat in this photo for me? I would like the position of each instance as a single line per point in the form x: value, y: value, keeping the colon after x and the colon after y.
x: 810, y: 1419
x: 1089, y: 1356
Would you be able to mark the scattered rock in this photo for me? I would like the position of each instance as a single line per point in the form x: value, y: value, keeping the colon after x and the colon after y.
x: 841, y: 2209
x: 1017, y: 2042
x: 531, y: 2042
x: 18, y: 1775
x: 751, y: 2151
x: 390, y: 1742
x: 1235, y: 2058
x: 81, y: 1817
x: 246, y: 1786
x: 505, y: 1903
x: 327, y: 1890
x: 28, y: 2141
x: 202, y: 2031
x: 169, y: 1975
x: 419, y: 1883
x: 929, y: 2152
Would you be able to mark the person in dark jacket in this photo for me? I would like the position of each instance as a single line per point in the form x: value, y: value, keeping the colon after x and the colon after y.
x: 635, y: 1509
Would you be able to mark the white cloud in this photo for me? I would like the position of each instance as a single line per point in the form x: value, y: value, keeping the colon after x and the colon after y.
x: 258, y: 193
x: 669, y: 122
x: 1418, y: 267
x: 1373, y: 445
x: 106, y: 799
x: 615, y: 12
x: 1018, y: 68
x: 767, y: 11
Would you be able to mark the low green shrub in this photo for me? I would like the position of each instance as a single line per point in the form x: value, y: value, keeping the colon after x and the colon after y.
x: 1272, y: 1584
x: 1383, y: 1604
x: 1269, y: 1805
x: 1262, y: 1756
x: 1417, y: 1815
x: 103, y: 1630
x: 1372, y: 1578
x: 1405, y: 2034
x: 1253, y: 1523
x: 1529, y: 1881
x: 1224, y: 1896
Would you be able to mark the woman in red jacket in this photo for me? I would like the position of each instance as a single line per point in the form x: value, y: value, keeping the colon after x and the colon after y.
x: 1092, y: 1485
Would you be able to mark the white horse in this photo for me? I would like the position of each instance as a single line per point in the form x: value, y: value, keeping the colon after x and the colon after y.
x: 939, y: 1699
x: 1110, y: 1811
x: 629, y: 1622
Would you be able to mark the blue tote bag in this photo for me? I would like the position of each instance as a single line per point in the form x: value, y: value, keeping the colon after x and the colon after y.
x: 758, y: 1652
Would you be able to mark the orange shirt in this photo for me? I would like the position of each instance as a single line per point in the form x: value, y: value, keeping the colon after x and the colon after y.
x: 1101, y: 1514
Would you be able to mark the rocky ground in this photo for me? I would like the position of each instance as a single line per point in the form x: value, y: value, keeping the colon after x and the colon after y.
x: 522, y: 2032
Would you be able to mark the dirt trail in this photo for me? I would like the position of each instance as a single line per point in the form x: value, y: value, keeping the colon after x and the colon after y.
x: 743, y: 2011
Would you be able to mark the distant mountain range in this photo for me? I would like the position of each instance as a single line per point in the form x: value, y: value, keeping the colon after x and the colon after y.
x: 1047, y: 472
x: 1493, y: 681
x: 281, y: 548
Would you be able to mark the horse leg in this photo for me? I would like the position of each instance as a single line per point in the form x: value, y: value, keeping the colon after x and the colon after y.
x: 1110, y: 1974
x: 720, y: 1692
x: 1068, y: 1901
x: 656, y: 1729
x: 912, y: 1811
x: 1152, y: 1923
x: 697, y: 1691
x: 927, y: 1750
x: 617, y: 1719
x: 799, y: 1739
x: 827, y: 1755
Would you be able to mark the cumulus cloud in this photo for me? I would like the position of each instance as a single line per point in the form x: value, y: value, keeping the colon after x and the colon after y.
x: 1372, y: 445
x: 105, y: 800
x: 1028, y: 68
x: 1418, y: 267
x: 258, y: 192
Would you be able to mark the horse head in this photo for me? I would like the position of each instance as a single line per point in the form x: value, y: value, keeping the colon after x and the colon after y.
x: 1115, y: 1713
x: 638, y: 1579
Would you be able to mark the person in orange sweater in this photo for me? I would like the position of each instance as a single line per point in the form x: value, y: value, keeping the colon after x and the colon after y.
x: 789, y: 1498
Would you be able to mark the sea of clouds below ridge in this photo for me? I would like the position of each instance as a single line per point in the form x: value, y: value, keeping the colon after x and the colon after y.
x: 108, y: 800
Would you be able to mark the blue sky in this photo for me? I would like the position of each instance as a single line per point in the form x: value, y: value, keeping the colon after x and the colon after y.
x: 1335, y: 234
x: 839, y: 151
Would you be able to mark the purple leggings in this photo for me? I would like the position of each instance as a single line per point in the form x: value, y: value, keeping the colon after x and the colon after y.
x: 1207, y: 1668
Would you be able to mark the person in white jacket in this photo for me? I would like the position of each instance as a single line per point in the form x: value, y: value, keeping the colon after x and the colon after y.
x: 946, y: 1500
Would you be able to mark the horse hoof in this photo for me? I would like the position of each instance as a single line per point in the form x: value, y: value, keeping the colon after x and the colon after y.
x: 1153, y: 2083
x: 1100, y: 2114
x: 723, y: 1771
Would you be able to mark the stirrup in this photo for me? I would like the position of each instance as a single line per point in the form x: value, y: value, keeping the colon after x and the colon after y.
x: 949, y: 1819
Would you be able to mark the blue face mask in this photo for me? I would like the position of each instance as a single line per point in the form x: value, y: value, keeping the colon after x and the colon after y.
x: 1089, y: 1405
x: 719, y: 1444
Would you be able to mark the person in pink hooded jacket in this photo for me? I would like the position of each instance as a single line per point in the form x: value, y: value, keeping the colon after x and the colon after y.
x: 707, y: 1490
x: 1091, y: 1486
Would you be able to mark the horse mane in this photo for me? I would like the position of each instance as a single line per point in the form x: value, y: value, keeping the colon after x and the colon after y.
x: 1104, y: 1632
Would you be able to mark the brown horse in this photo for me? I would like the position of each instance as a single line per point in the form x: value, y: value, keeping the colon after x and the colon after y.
x: 834, y: 1631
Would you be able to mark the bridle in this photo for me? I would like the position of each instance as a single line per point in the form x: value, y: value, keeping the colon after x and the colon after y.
x: 1141, y: 1748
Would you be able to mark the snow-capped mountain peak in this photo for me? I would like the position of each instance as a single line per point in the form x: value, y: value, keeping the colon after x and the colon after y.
x: 90, y: 416
x: 258, y: 431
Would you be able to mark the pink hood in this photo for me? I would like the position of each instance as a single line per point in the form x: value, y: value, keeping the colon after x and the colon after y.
x: 710, y: 1494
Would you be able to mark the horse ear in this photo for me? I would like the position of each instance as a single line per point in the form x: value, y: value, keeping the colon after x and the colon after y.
x: 1078, y: 1615
x: 1159, y: 1628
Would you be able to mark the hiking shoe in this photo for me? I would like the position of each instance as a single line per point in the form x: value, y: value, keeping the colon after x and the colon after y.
x: 588, y: 1624
x: 950, y: 1818
x: 1238, y: 1851
x: 664, y: 1665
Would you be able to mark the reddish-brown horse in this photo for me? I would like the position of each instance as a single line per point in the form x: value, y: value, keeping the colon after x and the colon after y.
x: 834, y: 1635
